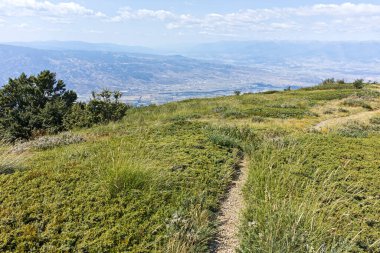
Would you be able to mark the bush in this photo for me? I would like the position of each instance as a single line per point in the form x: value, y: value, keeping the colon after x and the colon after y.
x: 37, y: 105
x: 355, y: 102
x: 354, y: 129
x: 48, y: 142
x: 359, y: 84
x: 104, y: 107
x: 343, y: 110
x: 258, y: 119
x: 375, y: 120
x: 237, y: 92
x: 77, y: 117
x: 329, y: 111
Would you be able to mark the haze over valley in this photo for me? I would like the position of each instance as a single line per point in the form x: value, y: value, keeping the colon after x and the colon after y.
x: 161, y: 75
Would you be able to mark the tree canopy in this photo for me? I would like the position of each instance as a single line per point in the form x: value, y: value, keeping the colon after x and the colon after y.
x: 32, y: 104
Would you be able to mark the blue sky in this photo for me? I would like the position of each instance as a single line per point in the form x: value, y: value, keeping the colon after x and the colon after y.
x: 158, y: 23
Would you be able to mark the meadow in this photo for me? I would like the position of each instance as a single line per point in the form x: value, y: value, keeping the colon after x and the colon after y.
x: 154, y: 181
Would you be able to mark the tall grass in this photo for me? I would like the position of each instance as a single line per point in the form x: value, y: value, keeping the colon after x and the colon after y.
x: 9, y: 162
x: 285, y: 210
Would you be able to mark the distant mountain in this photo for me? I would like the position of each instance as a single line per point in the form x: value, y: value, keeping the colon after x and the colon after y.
x: 284, y: 51
x: 143, y: 77
x: 298, y: 61
x: 212, y: 69
x: 82, y: 46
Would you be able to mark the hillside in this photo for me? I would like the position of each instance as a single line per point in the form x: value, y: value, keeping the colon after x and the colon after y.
x: 155, y: 182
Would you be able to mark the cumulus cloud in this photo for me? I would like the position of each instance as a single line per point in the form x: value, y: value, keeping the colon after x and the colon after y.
x: 45, y: 8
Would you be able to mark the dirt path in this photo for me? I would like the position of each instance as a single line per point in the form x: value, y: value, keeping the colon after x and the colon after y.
x: 229, y: 217
x: 342, y: 120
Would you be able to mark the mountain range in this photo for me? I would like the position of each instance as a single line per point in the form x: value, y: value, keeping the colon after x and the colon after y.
x: 148, y: 75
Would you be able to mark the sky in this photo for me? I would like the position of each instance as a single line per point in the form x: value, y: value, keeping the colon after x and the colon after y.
x: 158, y: 23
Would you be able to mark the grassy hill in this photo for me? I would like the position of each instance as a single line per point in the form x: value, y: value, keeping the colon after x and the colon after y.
x: 154, y: 182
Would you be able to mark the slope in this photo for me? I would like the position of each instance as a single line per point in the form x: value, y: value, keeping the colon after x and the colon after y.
x: 155, y: 181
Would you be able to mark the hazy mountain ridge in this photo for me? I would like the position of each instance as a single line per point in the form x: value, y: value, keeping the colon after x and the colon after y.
x: 212, y: 69
x: 282, y: 51
x: 138, y: 75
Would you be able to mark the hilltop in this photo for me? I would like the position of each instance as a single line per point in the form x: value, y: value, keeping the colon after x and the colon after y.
x: 155, y: 181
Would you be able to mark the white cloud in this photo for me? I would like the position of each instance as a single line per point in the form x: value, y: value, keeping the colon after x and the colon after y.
x: 345, y: 9
x: 317, y: 18
x: 127, y: 13
x: 45, y: 8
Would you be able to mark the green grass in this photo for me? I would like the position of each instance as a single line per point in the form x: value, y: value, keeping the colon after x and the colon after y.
x: 154, y: 181
x: 122, y: 192
x: 313, y: 193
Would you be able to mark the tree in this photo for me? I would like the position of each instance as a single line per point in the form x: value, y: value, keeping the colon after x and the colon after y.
x: 359, y: 84
x: 33, y: 104
x: 237, y: 92
x: 328, y: 81
x: 340, y: 81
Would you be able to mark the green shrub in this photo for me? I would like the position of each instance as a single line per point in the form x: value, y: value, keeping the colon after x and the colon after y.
x: 343, y: 110
x: 258, y: 119
x: 105, y: 107
x: 234, y: 114
x: 359, y: 84
x: 219, y: 109
x: 375, y: 120
x: 269, y: 92
x: 354, y: 129
x: 38, y: 105
x: 224, y: 141
x: 329, y: 111
x: 368, y: 94
x: 33, y: 105
x: 357, y: 102
x: 78, y: 117
x: 274, y: 112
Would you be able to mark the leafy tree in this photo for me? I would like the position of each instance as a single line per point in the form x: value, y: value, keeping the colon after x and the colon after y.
x: 340, y: 81
x: 328, y: 81
x: 359, y: 84
x: 237, y: 92
x: 29, y: 105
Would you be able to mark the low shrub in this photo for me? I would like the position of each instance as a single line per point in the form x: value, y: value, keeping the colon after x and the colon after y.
x: 219, y: 109
x: 234, y: 115
x: 375, y: 120
x: 48, y: 142
x: 357, y: 102
x: 269, y: 92
x: 368, y: 94
x: 354, y: 129
x: 258, y: 119
x: 329, y: 111
x: 343, y: 110
x: 274, y: 112
x: 359, y: 84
